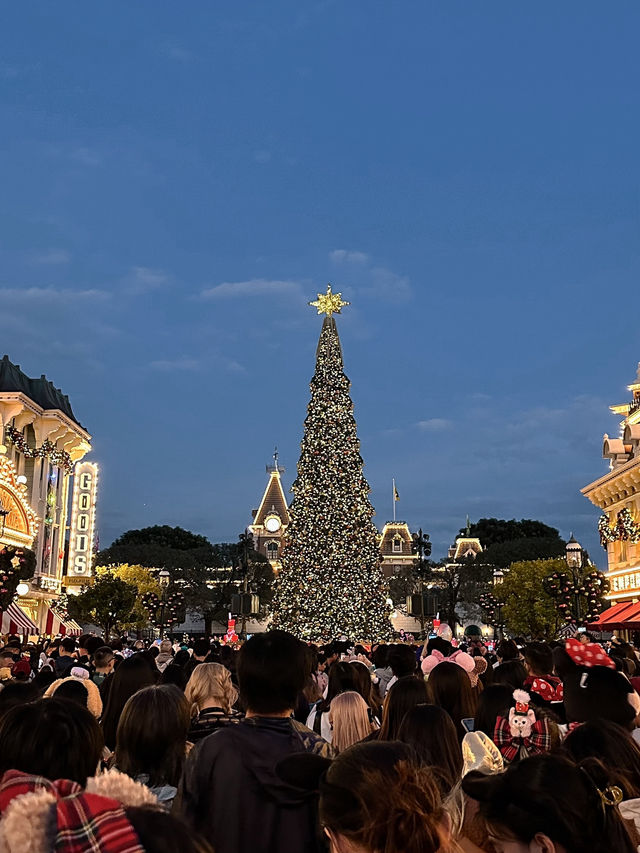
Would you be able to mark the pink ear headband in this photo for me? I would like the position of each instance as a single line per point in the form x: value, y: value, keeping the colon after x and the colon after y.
x: 462, y: 659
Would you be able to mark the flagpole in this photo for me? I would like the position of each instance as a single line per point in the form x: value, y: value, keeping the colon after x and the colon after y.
x: 393, y: 496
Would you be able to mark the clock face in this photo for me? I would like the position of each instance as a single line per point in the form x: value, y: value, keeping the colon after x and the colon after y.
x: 272, y: 523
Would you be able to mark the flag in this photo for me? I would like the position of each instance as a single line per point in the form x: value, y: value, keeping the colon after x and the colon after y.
x: 396, y: 496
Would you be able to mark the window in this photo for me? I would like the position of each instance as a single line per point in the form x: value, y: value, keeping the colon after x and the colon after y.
x: 397, y: 545
x: 272, y: 550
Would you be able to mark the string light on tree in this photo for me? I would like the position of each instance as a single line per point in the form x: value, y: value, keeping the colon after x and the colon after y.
x: 331, y: 582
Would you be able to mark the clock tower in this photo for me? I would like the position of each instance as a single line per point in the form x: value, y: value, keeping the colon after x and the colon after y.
x: 271, y: 519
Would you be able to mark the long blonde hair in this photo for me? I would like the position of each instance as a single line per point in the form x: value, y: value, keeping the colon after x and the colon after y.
x: 210, y: 681
x: 349, y: 716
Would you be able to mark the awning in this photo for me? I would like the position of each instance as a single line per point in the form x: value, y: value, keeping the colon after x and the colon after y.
x: 16, y: 621
x: 623, y: 615
x: 55, y: 625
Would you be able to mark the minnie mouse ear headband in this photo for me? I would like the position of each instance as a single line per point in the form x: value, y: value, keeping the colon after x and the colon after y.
x: 462, y: 659
x: 588, y: 654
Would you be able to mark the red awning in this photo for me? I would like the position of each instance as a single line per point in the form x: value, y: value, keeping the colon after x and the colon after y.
x: 623, y: 615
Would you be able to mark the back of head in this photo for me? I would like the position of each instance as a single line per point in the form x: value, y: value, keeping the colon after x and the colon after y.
x: 152, y: 734
x: 53, y: 738
x: 210, y: 681
x: 614, y: 746
x: 549, y: 795
x: 494, y: 701
x: 272, y: 670
x: 450, y: 688
x: 512, y: 673
x: 539, y: 658
x: 402, y: 660
x: 378, y: 798
x: 404, y: 695
x: 349, y: 717
x: 433, y: 736
x: 133, y: 674
x: 201, y: 648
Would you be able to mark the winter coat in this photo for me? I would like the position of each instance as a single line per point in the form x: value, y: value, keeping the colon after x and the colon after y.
x: 230, y: 791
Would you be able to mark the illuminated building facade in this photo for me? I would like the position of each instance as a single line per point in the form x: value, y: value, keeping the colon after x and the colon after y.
x: 617, y: 494
x: 40, y: 442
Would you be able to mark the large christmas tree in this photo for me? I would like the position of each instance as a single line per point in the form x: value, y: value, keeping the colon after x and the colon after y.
x: 331, y: 583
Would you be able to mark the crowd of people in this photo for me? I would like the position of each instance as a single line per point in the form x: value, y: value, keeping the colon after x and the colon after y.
x: 285, y: 747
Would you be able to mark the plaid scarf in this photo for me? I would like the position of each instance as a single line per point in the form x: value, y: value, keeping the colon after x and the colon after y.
x: 86, y: 823
x: 521, y: 747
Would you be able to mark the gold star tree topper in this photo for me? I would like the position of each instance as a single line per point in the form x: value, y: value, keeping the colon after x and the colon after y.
x: 329, y: 303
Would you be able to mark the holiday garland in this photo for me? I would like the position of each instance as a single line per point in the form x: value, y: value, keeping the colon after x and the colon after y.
x: 47, y: 450
x: 625, y: 529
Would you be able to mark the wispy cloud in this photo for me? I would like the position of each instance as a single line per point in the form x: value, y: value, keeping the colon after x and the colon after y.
x: 434, y: 424
x: 179, y: 364
x: 51, y: 257
x: 145, y: 279
x: 252, y: 287
x: 347, y: 256
x: 87, y: 156
x: 370, y: 277
x: 50, y: 295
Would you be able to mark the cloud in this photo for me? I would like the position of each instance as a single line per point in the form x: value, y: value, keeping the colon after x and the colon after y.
x: 50, y: 295
x: 434, y: 424
x: 145, y: 279
x: 51, y: 257
x: 253, y: 287
x: 346, y: 256
x: 87, y: 156
x: 179, y: 364
x: 262, y: 156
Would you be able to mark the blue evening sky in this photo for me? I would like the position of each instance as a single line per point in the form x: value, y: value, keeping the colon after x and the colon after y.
x: 178, y: 180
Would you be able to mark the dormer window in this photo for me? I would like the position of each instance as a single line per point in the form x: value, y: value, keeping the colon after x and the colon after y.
x: 397, y: 545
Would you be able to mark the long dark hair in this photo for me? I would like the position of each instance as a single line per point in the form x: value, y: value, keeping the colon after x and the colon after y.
x: 614, y: 746
x: 379, y: 798
x: 450, y: 688
x: 152, y: 734
x: 133, y: 674
x: 551, y: 795
x: 432, y: 734
x: 342, y: 676
x: 402, y: 696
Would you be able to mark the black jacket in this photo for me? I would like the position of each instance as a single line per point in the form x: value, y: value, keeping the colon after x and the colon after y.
x: 231, y: 794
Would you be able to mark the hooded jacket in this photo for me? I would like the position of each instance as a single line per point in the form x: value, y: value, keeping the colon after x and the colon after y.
x: 231, y: 794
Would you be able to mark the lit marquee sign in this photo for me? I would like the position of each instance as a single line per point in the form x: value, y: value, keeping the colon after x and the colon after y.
x: 83, y: 517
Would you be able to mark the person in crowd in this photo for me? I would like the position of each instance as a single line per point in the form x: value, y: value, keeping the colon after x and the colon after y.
x: 174, y: 674
x: 402, y: 661
x: 200, y: 654
x: 351, y: 720
x: 78, y: 687
x: 382, y: 670
x: 449, y: 688
x: 132, y: 675
x: 165, y: 655
x: 511, y: 673
x: 342, y: 676
x: 494, y: 702
x: 103, y: 664
x: 401, y: 697
x: 433, y: 736
x: 538, y: 661
x: 211, y: 696
x: 54, y: 738
x: 66, y: 657
x: 151, y: 739
x: 548, y: 804
x: 376, y: 797
x: 230, y: 791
